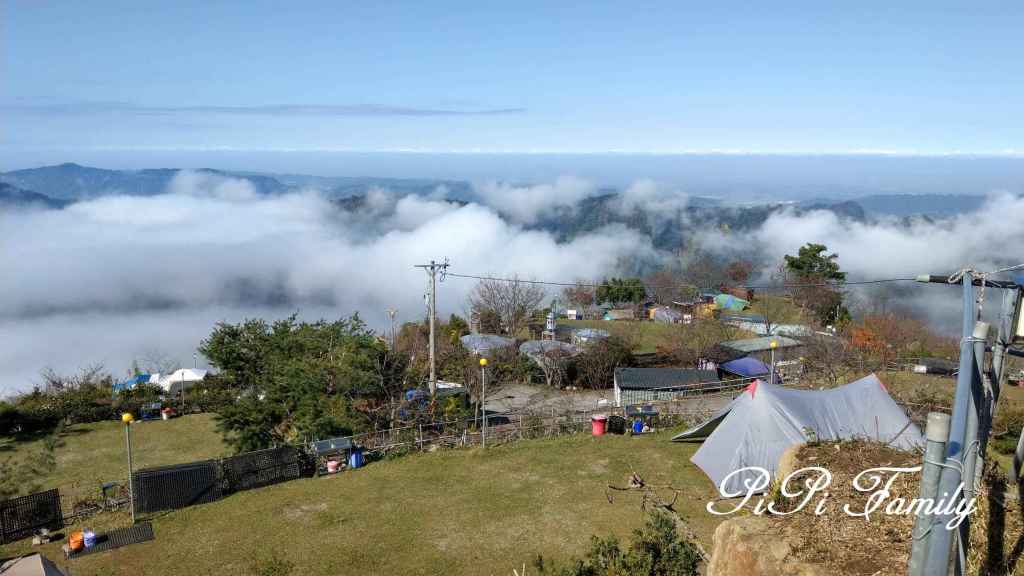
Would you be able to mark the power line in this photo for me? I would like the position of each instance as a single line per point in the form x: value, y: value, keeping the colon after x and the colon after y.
x: 751, y: 287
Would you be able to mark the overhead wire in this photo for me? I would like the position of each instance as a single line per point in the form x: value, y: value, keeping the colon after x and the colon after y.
x: 647, y: 284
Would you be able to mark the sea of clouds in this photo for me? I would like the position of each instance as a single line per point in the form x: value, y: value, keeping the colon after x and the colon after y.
x: 118, y: 278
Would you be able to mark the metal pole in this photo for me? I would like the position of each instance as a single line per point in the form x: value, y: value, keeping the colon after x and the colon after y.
x: 131, y: 483
x: 433, y: 312
x: 979, y: 404
x: 771, y: 377
x: 936, y: 433
x: 940, y: 539
x: 483, y: 401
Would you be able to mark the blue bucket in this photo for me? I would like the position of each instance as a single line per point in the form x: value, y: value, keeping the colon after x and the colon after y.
x: 355, y: 459
x: 638, y: 426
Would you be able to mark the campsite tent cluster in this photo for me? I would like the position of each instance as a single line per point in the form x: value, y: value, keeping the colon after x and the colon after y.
x: 761, y: 423
x: 171, y: 383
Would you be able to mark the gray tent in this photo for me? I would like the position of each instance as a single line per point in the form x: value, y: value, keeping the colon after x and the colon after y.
x: 762, y: 422
x: 482, y: 344
x: 31, y: 565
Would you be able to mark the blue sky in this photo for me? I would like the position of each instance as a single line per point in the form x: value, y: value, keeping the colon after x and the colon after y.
x: 797, y: 77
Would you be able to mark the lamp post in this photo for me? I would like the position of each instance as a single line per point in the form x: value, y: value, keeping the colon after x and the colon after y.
x: 483, y: 400
x: 773, y: 345
x: 128, y: 419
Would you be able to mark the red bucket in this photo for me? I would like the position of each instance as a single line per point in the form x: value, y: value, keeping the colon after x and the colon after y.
x: 598, y: 424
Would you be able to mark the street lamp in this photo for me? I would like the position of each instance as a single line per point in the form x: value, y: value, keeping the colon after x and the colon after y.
x: 483, y: 400
x: 128, y: 419
x: 773, y: 345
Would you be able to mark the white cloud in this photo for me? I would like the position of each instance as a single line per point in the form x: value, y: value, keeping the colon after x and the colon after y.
x: 525, y: 204
x: 112, y: 278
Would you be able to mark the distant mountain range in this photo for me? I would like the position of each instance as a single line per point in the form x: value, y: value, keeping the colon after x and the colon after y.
x: 57, y: 186
x: 73, y: 182
x: 14, y: 196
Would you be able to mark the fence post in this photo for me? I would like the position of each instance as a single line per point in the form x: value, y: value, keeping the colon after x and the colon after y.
x: 936, y: 433
x: 520, y: 425
x: 419, y: 440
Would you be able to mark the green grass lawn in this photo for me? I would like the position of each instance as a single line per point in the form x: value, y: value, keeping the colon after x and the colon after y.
x: 89, y: 454
x: 454, y: 512
x: 646, y: 335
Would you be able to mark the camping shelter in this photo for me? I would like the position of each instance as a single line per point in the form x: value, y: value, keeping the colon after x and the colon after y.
x: 482, y: 344
x: 31, y: 565
x: 748, y: 367
x: 762, y: 422
x: 536, y: 349
x: 181, y: 378
x: 584, y: 336
x: 136, y: 380
x: 730, y: 302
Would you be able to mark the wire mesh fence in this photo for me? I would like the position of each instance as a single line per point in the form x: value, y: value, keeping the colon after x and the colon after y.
x: 178, y: 486
x: 261, y: 468
x: 22, y: 517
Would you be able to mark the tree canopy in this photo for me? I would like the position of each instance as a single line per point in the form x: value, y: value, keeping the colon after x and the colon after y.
x: 622, y: 290
x: 813, y: 261
x: 294, y: 380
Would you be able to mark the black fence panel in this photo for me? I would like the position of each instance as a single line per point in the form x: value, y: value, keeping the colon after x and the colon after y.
x: 21, y: 517
x: 262, y: 468
x: 173, y: 487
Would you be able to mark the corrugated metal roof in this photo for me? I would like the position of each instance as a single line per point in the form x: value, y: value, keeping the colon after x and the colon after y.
x: 650, y: 378
x: 760, y: 344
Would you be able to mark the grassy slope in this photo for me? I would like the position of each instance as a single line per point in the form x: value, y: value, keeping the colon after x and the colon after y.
x: 648, y: 335
x: 91, y: 454
x: 464, y: 511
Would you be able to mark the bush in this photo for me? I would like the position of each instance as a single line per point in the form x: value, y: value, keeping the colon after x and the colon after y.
x: 656, y: 550
x: 595, y: 366
x: 1006, y: 429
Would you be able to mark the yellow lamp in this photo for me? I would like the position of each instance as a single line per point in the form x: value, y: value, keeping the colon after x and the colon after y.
x: 127, y: 418
x: 483, y: 362
x: 773, y: 344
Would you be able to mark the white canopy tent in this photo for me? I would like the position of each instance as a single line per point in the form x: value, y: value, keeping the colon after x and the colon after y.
x: 182, y: 378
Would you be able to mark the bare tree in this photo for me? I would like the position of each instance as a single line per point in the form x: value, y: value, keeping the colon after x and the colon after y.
x: 514, y: 301
x: 596, y: 365
x: 579, y: 295
x: 690, y: 344
x: 155, y: 361
x: 827, y: 359
x: 666, y: 286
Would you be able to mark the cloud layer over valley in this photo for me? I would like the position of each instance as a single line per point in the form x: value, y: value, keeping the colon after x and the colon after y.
x: 119, y: 277
x: 110, y: 279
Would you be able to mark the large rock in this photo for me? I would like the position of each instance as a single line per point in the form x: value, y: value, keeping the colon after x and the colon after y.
x: 748, y: 546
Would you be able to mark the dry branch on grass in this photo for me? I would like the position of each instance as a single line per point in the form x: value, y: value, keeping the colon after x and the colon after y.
x: 635, y: 484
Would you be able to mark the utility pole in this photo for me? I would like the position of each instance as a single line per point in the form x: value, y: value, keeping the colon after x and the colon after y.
x: 391, y: 315
x: 432, y: 270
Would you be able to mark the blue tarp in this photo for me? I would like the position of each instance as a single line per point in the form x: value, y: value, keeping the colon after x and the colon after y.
x: 131, y: 383
x: 748, y: 367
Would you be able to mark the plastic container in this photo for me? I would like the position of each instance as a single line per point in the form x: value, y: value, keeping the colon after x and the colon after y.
x: 355, y: 459
x: 598, y: 424
x: 332, y: 466
x: 76, y: 541
x: 638, y: 426
x: 89, y: 538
